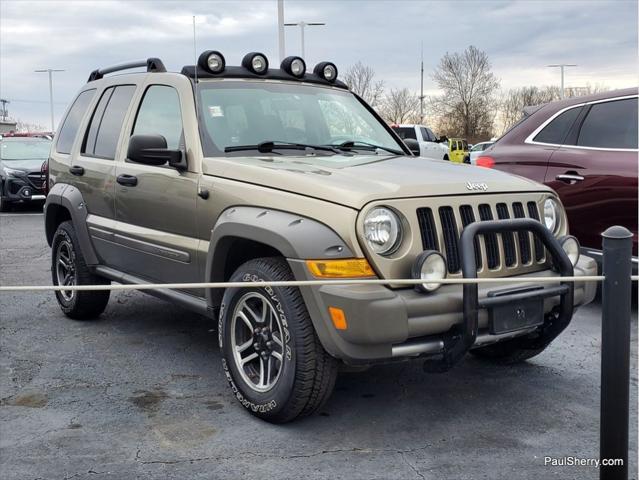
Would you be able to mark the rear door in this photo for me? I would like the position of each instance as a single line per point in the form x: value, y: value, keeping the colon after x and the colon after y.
x: 93, y: 168
x: 157, y: 232
x: 595, y: 171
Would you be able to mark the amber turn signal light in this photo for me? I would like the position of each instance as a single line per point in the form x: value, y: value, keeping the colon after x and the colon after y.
x: 342, y: 268
x: 338, y: 317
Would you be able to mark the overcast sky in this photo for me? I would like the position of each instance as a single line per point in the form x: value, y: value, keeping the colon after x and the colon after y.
x: 520, y: 37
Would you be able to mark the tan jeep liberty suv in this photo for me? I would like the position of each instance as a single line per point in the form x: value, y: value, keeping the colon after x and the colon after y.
x: 252, y: 173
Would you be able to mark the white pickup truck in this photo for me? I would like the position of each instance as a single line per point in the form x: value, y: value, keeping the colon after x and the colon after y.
x: 429, y: 146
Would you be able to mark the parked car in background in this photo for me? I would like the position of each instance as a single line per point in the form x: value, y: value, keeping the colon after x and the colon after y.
x: 430, y: 146
x: 21, y: 163
x: 458, y: 150
x: 477, y: 149
x: 585, y: 148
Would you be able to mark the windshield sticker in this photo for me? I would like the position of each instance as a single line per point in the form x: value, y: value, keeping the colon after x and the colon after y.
x: 216, y: 111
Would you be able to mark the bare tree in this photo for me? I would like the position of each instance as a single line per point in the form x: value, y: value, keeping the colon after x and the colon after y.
x: 468, y: 85
x: 514, y: 101
x: 361, y: 80
x: 400, y: 106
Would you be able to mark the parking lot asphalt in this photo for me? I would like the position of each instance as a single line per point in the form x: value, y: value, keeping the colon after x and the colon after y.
x: 140, y: 393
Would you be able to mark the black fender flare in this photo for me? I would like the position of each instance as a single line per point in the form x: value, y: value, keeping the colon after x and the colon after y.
x: 70, y: 198
x: 293, y: 235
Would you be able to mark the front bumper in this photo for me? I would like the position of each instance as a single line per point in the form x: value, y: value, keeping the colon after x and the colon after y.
x: 25, y: 188
x: 386, y: 323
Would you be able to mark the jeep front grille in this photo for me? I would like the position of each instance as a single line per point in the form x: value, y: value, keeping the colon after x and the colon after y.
x: 496, y: 251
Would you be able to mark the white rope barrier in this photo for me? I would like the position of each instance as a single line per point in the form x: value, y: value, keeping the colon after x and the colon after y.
x: 296, y: 283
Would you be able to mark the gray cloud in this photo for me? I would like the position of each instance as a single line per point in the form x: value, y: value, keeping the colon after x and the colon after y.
x: 520, y: 38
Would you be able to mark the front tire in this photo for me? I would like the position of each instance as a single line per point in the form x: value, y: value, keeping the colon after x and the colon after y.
x: 272, y: 358
x: 4, y: 205
x: 68, y: 267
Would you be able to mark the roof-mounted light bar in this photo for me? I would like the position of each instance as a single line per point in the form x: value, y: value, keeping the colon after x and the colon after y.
x: 212, y: 64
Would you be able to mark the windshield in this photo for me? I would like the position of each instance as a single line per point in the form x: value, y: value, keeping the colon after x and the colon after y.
x: 24, y: 149
x: 236, y: 114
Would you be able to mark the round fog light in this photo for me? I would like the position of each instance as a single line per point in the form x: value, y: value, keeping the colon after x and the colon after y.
x: 255, y: 62
x: 431, y: 267
x: 571, y: 247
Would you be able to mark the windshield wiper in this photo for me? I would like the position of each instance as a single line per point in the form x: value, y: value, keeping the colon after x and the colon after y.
x: 350, y: 144
x: 269, y: 145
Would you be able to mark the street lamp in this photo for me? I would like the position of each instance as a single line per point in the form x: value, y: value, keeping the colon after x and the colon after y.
x: 562, y: 66
x: 50, y: 72
x: 302, y: 26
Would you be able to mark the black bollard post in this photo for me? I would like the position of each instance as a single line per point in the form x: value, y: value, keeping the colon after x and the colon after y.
x: 615, y: 352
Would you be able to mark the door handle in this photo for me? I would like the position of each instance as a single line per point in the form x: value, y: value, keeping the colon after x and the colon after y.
x: 76, y: 170
x: 127, y: 180
x: 569, y: 178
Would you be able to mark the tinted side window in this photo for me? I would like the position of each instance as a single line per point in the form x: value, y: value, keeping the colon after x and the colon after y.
x: 432, y: 136
x: 104, y: 132
x: 555, y: 132
x: 610, y: 125
x: 405, y: 132
x: 425, y: 134
x: 160, y: 114
x: 72, y: 121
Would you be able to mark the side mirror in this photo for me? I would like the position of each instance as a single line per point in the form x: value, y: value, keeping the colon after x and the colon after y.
x: 413, y: 145
x: 151, y: 150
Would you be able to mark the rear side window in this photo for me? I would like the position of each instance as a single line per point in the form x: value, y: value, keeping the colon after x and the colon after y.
x: 160, y: 114
x: 106, y: 124
x: 405, y: 132
x: 71, y: 123
x: 610, y: 125
x: 432, y: 136
x: 425, y: 135
x: 555, y: 132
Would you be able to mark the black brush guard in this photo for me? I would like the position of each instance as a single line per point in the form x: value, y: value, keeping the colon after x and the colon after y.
x: 461, y: 339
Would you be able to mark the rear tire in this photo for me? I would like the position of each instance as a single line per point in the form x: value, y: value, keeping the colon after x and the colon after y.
x: 272, y: 358
x: 68, y: 267
x: 446, y: 158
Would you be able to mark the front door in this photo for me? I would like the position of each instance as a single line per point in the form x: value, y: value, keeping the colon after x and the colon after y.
x: 155, y: 205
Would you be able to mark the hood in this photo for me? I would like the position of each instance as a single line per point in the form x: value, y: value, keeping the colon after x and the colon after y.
x: 31, y: 165
x: 356, y: 180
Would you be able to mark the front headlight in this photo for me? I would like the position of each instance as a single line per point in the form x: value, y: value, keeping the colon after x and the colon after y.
x: 10, y: 172
x: 552, y: 215
x: 382, y: 230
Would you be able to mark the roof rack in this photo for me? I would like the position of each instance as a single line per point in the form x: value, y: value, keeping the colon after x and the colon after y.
x: 152, y: 65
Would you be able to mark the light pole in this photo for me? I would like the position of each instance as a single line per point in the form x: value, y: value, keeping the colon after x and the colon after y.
x: 421, y: 90
x: 562, y: 66
x: 50, y: 72
x: 302, y: 26
x: 280, y: 29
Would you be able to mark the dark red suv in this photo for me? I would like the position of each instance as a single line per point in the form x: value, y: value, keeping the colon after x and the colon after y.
x: 586, y: 149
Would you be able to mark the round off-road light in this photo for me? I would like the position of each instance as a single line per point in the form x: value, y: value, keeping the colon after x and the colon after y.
x: 326, y: 70
x: 571, y: 246
x: 551, y: 215
x: 212, y: 60
x: 429, y: 266
x: 256, y: 62
x: 294, y: 66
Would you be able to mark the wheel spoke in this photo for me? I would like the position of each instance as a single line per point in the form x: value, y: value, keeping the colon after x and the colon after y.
x: 261, y: 384
x: 277, y: 355
x: 276, y: 338
x: 249, y: 358
x: 268, y: 369
x: 63, y: 262
x: 265, y: 310
x: 252, y: 313
x: 246, y: 321
x: 244, y: 346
